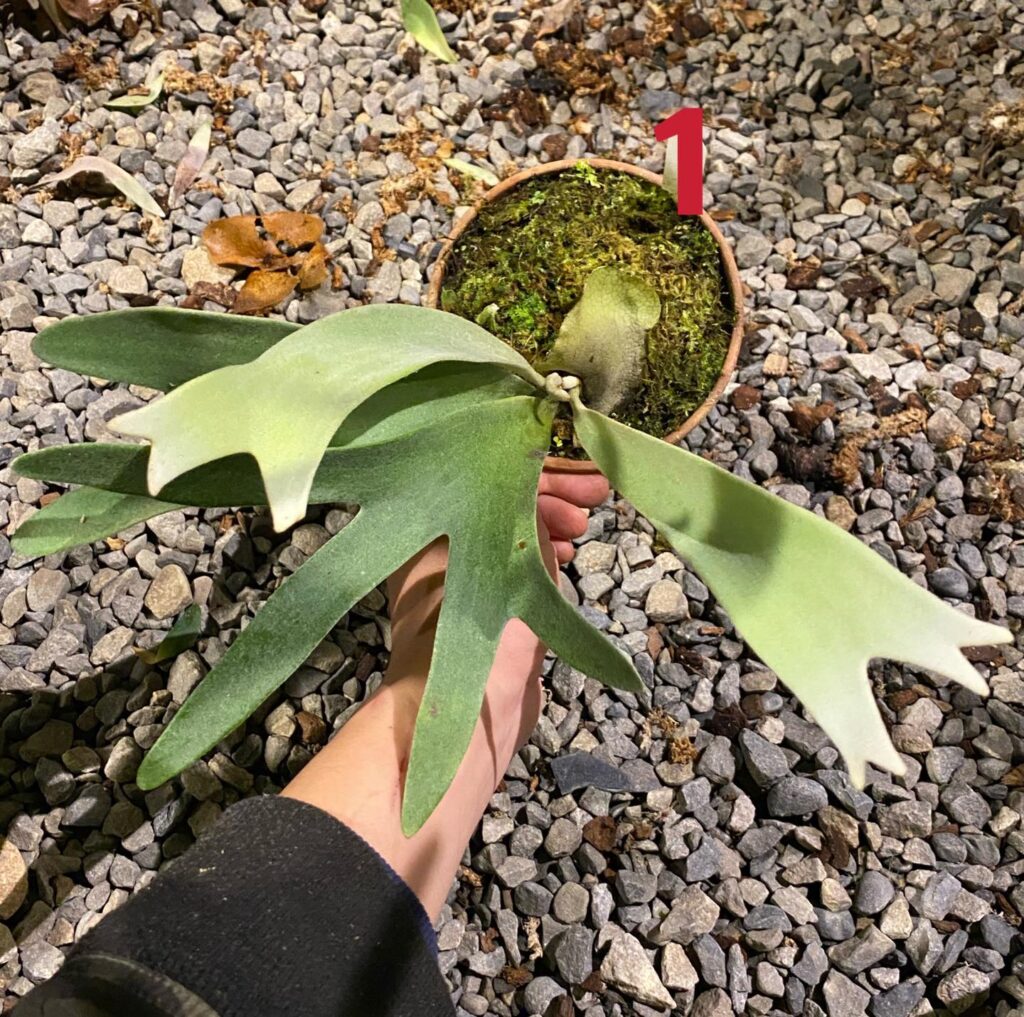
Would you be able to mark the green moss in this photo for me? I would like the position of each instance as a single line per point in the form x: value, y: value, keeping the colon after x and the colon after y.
x: 530, y: 253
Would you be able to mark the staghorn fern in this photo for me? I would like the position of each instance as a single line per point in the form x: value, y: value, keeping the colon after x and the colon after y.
x: 375, y: 406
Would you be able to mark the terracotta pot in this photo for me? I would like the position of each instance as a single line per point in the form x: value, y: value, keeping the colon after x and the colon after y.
x: 555, y: 463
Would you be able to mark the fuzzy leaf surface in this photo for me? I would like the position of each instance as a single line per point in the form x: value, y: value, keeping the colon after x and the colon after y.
x: 159, y: 347
x: 92, y: 167
x: 603, y: 339
x: 421, y: 23
x: 410, y: 491
x: 812, y: 601
x: 428, y: 398
x: 280, y: 637
x: 284, y: 407
x: 82, y: 516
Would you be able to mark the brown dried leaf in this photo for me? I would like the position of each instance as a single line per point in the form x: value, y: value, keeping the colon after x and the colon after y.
x: 861, y: 286
x: 1014, y: 777
x: 752, y: 19
x: 263, y: 291
x: 806, y: 418
x: 313, y: 267
x: 219, y: 293
x: 236, y: 241
x: 900, y: 425
x: 919, y: 511
x: 804, y: 274
x: 682, y: 750
x: 728, y: 721
x: 296, y: 229
x: 846, y: 462
x: 516, y: 977
x: 745, y: 397
x: 602, y: 833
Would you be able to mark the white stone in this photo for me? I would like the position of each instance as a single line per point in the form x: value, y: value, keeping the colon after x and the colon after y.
x: 626, y: 967
x: 987, y: 305
x: 805, y: 320
x: 197, y: 267
x: 952, y: 285
x: 676, y: 970
x: 998, y: 363
x: 870, y: 366
x: 128, y: 281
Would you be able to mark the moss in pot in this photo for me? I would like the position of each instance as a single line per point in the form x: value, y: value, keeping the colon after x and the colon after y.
x: 519, y: 265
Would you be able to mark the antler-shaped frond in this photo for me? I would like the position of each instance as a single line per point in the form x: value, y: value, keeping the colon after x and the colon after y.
x: 284, y: 407
x: 812, y: 601
x: 410, y: 489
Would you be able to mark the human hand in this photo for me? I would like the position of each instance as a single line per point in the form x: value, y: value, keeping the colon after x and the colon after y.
x: 358, y: 777
x: 562, y: 501
x: 417, y: 589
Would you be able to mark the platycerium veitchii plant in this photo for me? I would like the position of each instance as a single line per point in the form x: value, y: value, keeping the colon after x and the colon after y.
x: 375, y: 406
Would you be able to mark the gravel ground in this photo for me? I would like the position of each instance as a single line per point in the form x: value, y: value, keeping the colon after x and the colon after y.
x: 865, y: 158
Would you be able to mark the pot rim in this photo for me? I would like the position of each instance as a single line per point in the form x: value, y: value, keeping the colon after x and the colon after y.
x: 555, y: 464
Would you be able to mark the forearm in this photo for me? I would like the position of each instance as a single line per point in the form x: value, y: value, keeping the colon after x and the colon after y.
x: 358, y: 776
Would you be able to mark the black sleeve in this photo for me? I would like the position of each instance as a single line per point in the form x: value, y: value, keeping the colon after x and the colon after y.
x: 280, y: 909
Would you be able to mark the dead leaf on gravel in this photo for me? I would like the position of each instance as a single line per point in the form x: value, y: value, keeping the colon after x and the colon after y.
x: 752, y: 19
x: 602, y: 833
x: 92, y: 168
x: 284, y: 249
x: 846, y: 462
x: 865, y: 286
x: 919, y: 511
x: 313, y: 270
x: 218, y: 293
x: 516, y: 977
x: 79, y: 62
x: 190, y: 165
x: 806, y: 418
x: 138, y: 100
x: 263, y: 291
x: 237, y: 241
x: 296, y: 229
x: 804, y: 274
x: 1014, y: 777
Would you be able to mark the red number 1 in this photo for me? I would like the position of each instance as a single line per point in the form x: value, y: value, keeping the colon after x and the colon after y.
x: 685, y: 127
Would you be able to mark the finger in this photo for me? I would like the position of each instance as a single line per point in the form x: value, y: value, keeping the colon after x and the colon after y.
x: 547, y: 548
x: 564, y: 521
x: 587, y: 490
x: 564, y: 551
